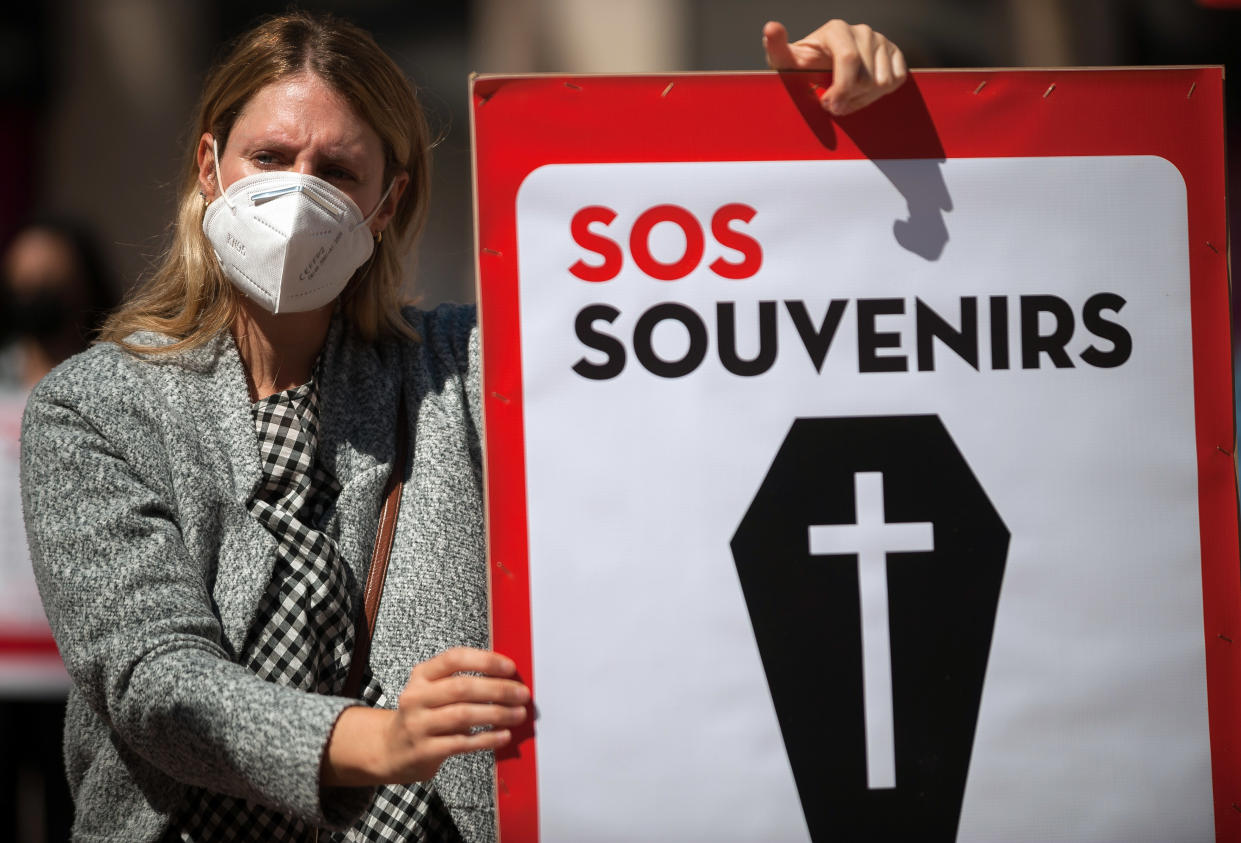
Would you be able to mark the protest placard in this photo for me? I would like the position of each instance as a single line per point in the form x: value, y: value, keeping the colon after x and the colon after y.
x: 862, y: 479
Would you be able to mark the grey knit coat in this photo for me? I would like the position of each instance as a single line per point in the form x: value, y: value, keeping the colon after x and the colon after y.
x: 136, y: 471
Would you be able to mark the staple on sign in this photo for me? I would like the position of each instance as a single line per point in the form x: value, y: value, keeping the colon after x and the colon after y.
x: 981, y: 85
x: 1224, y: 637
x: 1223, y: 450
x: 487, y: 251
x: 1050, y: 88
x: 1211, y: 246
x: 1192, y: 85
x: 501, y: 398
x: 572, y: 86
x: 667, y: 89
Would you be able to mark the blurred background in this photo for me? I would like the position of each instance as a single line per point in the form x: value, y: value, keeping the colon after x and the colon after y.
x: 95, y: 102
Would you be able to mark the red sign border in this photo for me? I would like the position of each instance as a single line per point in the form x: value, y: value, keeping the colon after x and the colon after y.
x: 1175, y: 113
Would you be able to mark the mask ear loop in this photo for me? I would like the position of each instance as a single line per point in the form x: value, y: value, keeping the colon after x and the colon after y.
x: 378, y: 205
x: 219, y: 182
x: 366, y: 267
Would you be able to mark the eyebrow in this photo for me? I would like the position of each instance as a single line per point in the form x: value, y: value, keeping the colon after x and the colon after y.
x: 335, y: 153
x: 324, y: 159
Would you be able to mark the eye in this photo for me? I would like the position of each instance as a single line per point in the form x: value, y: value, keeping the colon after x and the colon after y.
x: 265, y: 159
x: 338, y: 174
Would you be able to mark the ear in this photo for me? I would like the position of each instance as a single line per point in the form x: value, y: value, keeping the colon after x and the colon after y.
x: 206, y: 167
x: 388, y: 209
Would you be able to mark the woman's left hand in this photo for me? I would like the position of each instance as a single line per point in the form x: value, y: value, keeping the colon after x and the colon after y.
x: 448, y: 697
x: 865, y: 65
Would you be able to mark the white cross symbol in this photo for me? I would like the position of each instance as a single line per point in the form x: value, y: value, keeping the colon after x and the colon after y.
x: 871, y: 539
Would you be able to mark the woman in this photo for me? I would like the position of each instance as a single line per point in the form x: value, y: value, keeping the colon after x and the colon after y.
x: 202, y: 490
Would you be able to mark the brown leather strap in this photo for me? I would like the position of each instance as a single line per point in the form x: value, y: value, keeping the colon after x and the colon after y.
x: 364, y: 628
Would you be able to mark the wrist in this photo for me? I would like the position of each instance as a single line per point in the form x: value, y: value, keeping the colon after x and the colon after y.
x: 356, y: 753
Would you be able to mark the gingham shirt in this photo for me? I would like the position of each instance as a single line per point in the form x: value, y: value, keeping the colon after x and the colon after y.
x: 303, y: 634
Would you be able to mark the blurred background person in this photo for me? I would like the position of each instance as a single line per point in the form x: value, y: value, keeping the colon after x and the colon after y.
x: 54, y: 289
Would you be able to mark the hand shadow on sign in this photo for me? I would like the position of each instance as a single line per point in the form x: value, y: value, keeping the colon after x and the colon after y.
x: 897, y: 134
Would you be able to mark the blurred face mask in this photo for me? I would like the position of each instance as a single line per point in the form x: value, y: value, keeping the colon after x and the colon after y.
x: 289, y: 241
x: 38, y: 314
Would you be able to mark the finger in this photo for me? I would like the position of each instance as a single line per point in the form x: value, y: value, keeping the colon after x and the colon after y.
x: 447, y: 745
x: 886, y: 79
x: 776, y: 45
x: 459, y: 689
x: 867, y: 41
x: 847, y: 66
x: 899, y: 69
x: 421, y: 762
x: 868, y: 44
x: 882, y: 71
x: 463, y: 659
x: 463, y: 718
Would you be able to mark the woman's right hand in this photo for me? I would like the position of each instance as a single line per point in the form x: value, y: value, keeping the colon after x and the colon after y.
x: 865, y: 65
x: 439, y: 713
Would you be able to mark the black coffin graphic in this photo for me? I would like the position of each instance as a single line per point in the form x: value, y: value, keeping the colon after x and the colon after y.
x: 890, y: 765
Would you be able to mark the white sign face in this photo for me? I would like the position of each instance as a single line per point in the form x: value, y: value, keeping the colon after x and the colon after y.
x: 1018, y: 360
x: 21, y: 612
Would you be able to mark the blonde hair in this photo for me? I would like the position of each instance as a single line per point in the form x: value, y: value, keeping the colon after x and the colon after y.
x: 187, y: 297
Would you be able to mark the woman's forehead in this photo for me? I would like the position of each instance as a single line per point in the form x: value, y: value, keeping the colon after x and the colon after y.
x: 302, y: 110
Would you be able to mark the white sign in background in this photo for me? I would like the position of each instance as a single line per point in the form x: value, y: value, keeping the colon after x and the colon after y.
x: 21, y: 612
x: 653, y: 703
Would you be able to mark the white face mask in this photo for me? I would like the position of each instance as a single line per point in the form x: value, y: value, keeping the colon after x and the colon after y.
x: 289, y: 241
